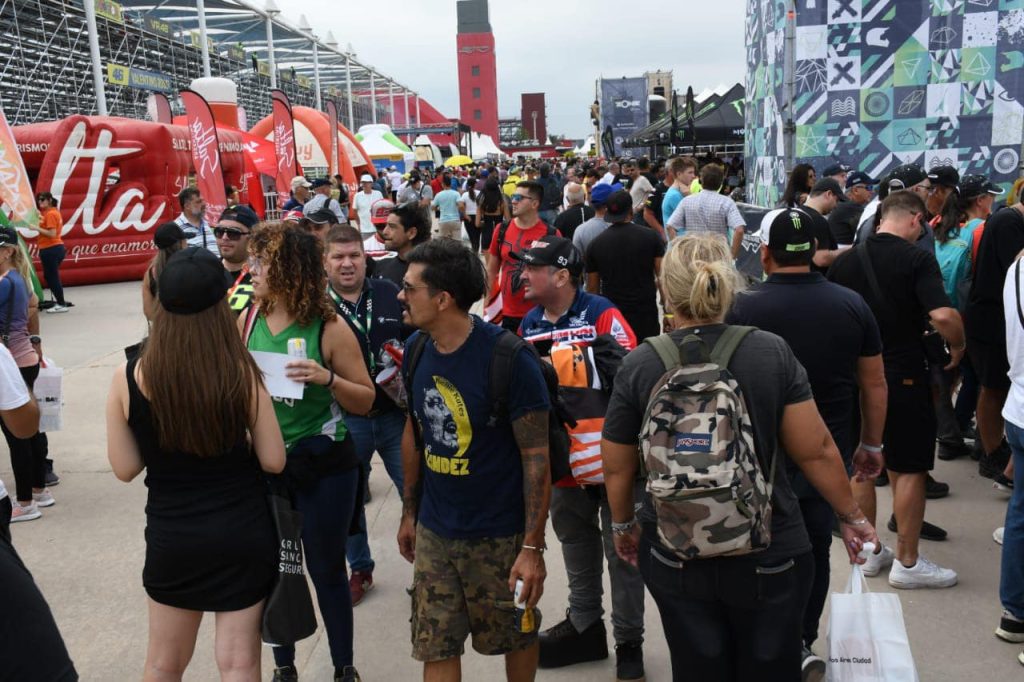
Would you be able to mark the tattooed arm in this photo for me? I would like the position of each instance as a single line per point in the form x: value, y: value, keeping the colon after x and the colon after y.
x: 531, y: 432
x: 413, y: 488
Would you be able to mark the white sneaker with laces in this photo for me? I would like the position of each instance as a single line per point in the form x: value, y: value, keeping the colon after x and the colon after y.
x: 997, y: 535
x: 57, y: 308
x: 877, y: 563
x: 44, y: 499
x: 922, y: 575
x: 28, y: 512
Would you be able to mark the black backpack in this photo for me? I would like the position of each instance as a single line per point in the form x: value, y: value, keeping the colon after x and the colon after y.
x: 500, y: 373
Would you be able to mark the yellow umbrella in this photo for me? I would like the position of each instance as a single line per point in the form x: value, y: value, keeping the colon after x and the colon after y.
x: 459, y: 160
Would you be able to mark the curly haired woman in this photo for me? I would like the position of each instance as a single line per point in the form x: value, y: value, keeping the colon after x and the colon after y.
x: 290, y: 287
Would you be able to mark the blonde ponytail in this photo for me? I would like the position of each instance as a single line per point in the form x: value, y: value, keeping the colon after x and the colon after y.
x: 699, y: 279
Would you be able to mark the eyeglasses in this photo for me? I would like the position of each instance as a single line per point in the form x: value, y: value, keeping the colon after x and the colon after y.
x: 229, y: 232
x: 255, y: 266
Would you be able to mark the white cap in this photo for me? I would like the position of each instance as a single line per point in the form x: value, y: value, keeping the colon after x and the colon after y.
x: 299, y: 181
x: 366, y: 178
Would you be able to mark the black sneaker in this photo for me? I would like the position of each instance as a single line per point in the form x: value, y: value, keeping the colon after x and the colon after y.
x: 883, y: 479
x: 934, y: 490
x: 969, y: 433
x: 629, y: 661
x: 928, y: 530
x: 993, y: 463
x: 347, y: 674
x: 951, y: 451
x: 52, y: 479
x: 286, y: 673
x: 977, y: 450
x: 812, y: 668
x: 1003, y: 484
x: 1010, y: 629
x: 562, y: 645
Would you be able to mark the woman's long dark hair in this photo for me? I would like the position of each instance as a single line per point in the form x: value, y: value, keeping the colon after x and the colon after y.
x: 799, y: 183
x: 199, y: 379
x: 492, y: 199
x: 954, y: 213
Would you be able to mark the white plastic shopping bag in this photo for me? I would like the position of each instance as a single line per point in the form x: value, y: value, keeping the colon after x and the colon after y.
x: 867, y: 639
x: 49, y: 391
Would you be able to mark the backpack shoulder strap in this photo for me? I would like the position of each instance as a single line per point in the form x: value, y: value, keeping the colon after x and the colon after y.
x: 411, y: 358
x: 727, y: 344
x: 502, y: 231
x: 500, y: 373
x: 251, y: 313
x: 666, y: 349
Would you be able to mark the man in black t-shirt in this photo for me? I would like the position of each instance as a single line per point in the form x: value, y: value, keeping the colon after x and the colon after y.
x: 835, y: 337
x: 623, y: 264
x: 406, y: 228
x: 820, y: 202
x: 1001, y: 241
x: 903, y: 286
x: 576, y: 213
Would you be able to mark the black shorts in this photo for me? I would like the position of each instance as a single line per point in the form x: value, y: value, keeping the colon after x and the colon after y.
x: 910, y: 426
x: 990, y: 364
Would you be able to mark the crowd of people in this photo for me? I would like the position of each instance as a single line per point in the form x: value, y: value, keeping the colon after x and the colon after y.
x: 888, y: 326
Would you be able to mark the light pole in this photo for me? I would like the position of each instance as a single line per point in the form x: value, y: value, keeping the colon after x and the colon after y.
x: 271, y: 9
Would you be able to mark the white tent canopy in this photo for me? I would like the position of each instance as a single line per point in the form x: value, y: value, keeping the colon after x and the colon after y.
x: 484, y: 147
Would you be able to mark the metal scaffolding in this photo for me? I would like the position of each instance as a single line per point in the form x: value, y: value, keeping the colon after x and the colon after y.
x: 47, y: 73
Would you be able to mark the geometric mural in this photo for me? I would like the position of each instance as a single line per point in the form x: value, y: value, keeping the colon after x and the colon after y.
x: 884, y: 82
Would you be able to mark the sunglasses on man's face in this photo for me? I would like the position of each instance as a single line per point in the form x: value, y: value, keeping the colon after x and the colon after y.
x: 231, y: 233
x: 520, y: 197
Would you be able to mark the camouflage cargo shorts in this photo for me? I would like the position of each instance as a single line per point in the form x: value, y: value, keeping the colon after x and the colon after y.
x: 460, y: 587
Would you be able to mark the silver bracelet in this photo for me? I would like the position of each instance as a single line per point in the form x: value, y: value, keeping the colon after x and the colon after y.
x: 535, y: 549
x: 623, y: 528
x: 870, y: 448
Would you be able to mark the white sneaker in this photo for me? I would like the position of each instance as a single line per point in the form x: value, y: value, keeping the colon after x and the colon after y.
x: 877, y: 563
x: 922, y: 575
x: 28, y: 512
x: 44, y: 499
x: 997, y: 535
x: 57, y: 308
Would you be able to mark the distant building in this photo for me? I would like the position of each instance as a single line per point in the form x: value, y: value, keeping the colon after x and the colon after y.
x: 478, y: 74
x: 534, y: 116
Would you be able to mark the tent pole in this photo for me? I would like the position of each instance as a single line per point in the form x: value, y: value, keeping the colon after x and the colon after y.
x: 789, y: 130
x: 94, y: 54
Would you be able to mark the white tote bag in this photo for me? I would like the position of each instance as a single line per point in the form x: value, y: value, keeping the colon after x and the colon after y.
x: 49, y: 392
x: 867, y: 639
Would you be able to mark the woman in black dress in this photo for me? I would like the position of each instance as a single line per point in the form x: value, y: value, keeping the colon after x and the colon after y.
x: 185, y: 411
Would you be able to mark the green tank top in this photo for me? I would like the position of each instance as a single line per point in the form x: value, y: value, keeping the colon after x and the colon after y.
x: 317, y: 413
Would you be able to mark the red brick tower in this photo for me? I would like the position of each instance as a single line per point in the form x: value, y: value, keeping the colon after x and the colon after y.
x: 478, y: 73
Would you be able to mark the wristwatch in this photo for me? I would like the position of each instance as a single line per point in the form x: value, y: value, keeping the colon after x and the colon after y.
x: 35, y: 339
x: 623, y: 528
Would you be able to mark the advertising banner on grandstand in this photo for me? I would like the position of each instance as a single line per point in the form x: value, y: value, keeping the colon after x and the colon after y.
x: 284, y: 142
x: 205, y: 154
x: 884, y: 82
x: 118, y: 74
x: 623, y: 107
x: 15, y: 188
x: 332, y: 120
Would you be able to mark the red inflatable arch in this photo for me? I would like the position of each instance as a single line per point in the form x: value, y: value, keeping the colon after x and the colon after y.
x: 317, y: 124
x: 115, y: 180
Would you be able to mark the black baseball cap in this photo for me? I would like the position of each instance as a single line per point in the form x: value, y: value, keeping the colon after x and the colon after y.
x: 787, y: 229
x: 975, y: 185
x: 904, y: 177
x: 556, y: 251
x: 8, y: 236
x: 618, y: 206
x: 168, y: 235
x: 321, y: 182
x: 859, y: 178
x: 322, y: 216
x: 827, y: 185
x: 947, y: 176
x: 192, y: 281
x: 240, y: 214
x: 835, y: 169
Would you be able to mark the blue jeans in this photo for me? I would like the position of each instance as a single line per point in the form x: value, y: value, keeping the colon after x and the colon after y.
x: 1011, y: 575
x: 327, y: 509
x: 382, y: 434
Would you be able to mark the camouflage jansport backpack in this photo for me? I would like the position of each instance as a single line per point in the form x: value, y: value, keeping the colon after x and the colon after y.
x: 697, y: 447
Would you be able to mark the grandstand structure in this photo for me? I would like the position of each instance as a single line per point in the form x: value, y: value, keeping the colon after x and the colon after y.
x: 101, y: 57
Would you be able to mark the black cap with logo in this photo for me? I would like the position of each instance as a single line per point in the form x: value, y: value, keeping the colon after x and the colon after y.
x: 556, y: 251
x: 787, y: 229
x: 192, y: 281
x: 618, y: 206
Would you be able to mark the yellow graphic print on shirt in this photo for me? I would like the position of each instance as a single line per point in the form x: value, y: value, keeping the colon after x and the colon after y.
x: 447, y: 422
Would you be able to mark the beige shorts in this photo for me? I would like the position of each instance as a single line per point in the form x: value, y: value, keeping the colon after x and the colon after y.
x: 452, y: 229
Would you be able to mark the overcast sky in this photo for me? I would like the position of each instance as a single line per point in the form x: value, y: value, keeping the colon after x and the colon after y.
x: 559, y: 48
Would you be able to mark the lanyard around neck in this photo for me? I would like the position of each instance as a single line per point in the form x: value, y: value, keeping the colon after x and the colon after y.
x: 351, y: 312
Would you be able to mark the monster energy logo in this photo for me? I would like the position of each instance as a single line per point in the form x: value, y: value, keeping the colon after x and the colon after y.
x: 797, y: 225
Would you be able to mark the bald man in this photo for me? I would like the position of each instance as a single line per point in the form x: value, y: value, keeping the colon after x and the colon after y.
x: 577, y: 212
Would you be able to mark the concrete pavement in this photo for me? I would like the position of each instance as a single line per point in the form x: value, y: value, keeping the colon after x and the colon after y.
x: 87, y: 551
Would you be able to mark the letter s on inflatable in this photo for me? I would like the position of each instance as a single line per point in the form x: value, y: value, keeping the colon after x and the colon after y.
x: 115, y: 180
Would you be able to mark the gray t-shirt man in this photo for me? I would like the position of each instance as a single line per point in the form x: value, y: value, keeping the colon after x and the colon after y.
x: 588, y: 232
